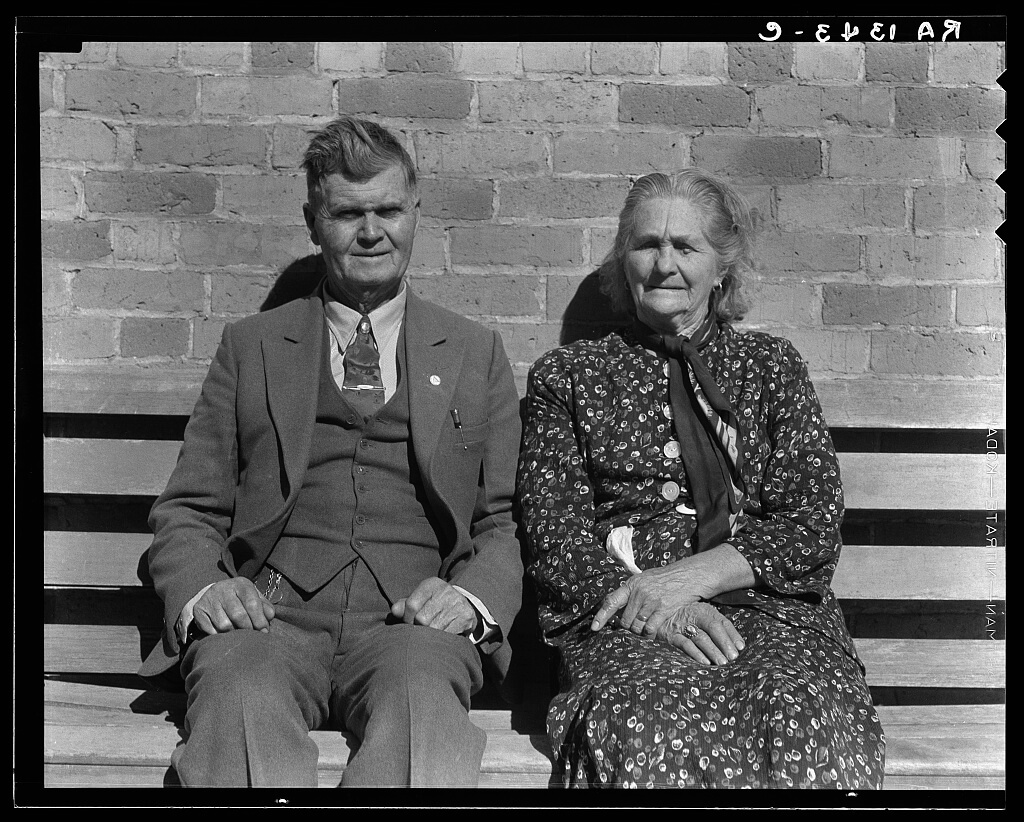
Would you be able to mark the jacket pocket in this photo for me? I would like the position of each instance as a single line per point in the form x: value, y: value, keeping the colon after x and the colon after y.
x: 471, y: 434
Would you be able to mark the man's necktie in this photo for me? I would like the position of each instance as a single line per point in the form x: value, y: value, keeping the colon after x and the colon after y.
x: 363, y: 387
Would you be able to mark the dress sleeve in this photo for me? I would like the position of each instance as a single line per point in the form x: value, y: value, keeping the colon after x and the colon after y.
x: 567, y: 561
x: 791, y: 536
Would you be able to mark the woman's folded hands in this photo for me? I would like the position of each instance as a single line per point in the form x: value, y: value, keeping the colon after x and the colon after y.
x: 666, y: 602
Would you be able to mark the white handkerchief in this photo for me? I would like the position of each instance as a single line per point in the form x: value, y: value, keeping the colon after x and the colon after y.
x: 620, y: 545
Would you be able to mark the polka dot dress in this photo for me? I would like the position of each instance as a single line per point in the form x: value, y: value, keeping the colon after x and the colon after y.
x: 599, y: 451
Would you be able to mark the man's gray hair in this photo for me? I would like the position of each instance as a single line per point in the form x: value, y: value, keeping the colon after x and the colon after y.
x: 356, y: 149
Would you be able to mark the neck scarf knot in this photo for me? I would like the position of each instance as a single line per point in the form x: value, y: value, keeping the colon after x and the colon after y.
x: 708, y: 432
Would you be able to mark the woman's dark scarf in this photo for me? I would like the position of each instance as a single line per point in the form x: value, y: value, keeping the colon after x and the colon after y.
x: 707, y: 428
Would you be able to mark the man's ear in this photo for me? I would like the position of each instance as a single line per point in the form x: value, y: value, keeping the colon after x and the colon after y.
x: 310, y: 217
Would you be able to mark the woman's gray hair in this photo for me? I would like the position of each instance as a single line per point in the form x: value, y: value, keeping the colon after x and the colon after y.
x: 729, y: 227
x: 356, y: 149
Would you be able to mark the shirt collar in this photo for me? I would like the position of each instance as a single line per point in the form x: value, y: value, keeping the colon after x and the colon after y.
x: 386, y: 318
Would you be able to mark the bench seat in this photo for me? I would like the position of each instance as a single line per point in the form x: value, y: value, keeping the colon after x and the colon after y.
x: 921, y: 582
x: 122, y: 737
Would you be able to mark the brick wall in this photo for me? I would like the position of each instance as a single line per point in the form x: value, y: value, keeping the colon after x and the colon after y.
x: 172, y: 193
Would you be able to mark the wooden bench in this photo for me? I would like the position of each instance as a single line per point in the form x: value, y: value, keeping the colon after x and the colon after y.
x: 922, y: 588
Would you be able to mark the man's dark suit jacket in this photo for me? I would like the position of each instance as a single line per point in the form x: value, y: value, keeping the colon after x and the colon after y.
x: 247, y: 446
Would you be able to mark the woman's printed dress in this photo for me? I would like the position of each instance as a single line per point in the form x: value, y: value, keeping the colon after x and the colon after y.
x: 793, y: 710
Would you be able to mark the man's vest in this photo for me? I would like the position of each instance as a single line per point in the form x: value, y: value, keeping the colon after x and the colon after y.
x: 361, y: 489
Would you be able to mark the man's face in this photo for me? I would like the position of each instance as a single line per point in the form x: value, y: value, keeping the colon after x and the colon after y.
x: 365, y: 231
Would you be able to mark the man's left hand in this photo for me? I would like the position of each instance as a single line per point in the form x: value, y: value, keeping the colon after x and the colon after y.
x: 436, y: 604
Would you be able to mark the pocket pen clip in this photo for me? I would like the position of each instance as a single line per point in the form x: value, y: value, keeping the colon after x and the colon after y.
x: 458, y: 425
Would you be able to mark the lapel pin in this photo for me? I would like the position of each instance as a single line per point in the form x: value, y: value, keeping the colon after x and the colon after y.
x: 435, y: 380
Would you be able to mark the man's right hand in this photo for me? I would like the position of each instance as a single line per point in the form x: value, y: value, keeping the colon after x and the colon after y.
x: 232, y: 604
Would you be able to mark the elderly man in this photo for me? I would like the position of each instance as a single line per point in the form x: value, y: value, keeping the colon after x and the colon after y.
x: 335, y: 546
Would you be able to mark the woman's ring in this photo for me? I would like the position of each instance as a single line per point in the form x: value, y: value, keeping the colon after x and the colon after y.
x: 690, y: 631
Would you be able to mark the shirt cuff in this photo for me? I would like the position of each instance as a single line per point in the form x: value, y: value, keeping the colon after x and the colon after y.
x: 185, y: 617
x: 486, y: 626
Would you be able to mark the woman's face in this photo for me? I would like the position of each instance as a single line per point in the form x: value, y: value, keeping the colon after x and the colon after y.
x: 670, y: 266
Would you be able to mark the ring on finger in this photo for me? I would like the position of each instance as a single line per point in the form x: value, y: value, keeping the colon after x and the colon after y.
x: 690, y: 631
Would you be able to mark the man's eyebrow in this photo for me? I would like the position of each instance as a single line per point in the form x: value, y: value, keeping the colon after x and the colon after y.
x: 383, y: 205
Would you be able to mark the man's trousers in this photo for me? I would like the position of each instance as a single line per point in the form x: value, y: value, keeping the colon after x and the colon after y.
x: 333, y: 659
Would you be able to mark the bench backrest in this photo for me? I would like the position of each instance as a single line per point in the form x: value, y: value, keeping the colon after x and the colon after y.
x: 921, y: 579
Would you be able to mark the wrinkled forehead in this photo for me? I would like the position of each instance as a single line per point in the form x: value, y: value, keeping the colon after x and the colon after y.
x: 675, y: 217
x: 390, y: 187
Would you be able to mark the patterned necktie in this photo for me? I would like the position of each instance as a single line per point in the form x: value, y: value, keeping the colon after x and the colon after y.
x: 363, y: 387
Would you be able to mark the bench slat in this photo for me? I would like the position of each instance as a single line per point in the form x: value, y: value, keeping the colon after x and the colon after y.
x: 115, y: 776
x: 937, y: 482
x: 865, y: 403
x: 873, y: 403
x: 96, y: 559
x: 145, y: 745
x: 102, y: 466
x: 136, y: 705
x: 506, y: 752
x: 150, y: 745
x: 66, y: 715
x: 104, y: 776
x: 104, y: 390
x: 921, y: 572
x: 939, y: 663
x: 940, y: 482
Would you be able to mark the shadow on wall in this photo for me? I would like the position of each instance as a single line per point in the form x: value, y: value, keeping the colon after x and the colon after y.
x: 299, y: 279
x: 588, y: 315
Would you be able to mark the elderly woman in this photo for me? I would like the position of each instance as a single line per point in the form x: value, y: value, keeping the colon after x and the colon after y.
x: 682, y: 501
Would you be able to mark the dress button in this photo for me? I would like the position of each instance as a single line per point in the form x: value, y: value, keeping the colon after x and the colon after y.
x: 670, y: 490
x: 672, y: 449
x: 667, y: 410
